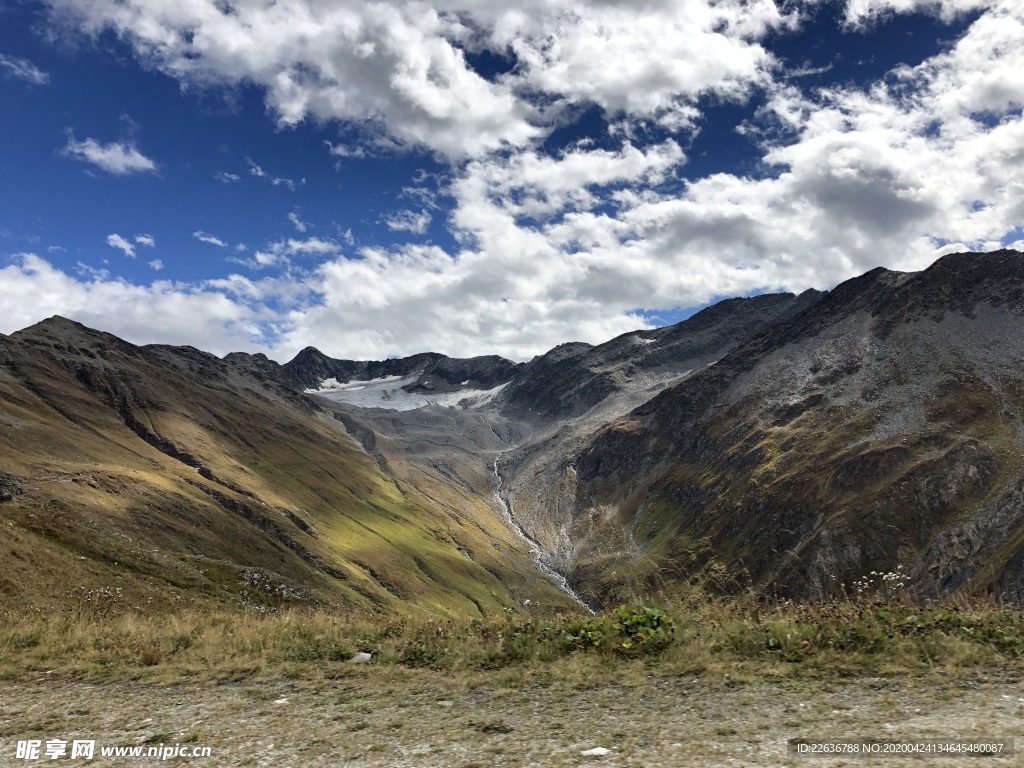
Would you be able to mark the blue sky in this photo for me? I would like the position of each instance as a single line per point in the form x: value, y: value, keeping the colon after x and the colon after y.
x: 466, y: 177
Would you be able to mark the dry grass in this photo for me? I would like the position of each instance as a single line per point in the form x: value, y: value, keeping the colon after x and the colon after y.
x: 737, y: 638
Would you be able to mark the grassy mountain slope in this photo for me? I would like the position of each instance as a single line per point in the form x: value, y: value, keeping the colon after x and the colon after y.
x: 180, y: 478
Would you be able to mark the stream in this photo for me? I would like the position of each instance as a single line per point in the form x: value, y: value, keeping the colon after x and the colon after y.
x: 538, y: 552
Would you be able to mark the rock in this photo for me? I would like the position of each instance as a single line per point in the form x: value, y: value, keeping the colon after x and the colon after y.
x: 596, y: 752
x: 362, y: 657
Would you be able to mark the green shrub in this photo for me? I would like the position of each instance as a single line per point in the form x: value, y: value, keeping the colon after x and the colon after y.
x: 627, y: 630
x: 640, y: 629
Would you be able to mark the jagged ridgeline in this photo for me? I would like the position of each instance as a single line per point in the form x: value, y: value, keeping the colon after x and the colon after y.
x: 793, y: 444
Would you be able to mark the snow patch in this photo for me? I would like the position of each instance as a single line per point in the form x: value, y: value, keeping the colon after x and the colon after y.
x: 389, y: 393
x: 333, y: 384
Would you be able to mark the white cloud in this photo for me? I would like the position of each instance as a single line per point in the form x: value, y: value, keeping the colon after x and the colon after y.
x: 117, y: 158
x: 280, y: 253
x: 398, y: 71
x: 859, y: 12
x: 536, y: 185
x: 257, y: 171
x: 421, y: 298
x: 887, y: 174
x: 298, y: 223
x: 156, y: 264
x: 311, y: 246
x: 122, y: 244
x: 262, y: 259
x: 227, y: 178
x: 390, y: 62
x: 23, y: 69
x: 32, y: 289
x: 147, y: 240
x: 206, y: 237
x: 665, y: 55
x: 83, y: 269
x: 409, y: 221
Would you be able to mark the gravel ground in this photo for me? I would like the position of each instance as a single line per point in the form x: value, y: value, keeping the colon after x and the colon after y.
x: 375, y: 716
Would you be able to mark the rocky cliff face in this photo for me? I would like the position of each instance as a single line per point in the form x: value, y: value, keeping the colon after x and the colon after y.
x: 790, y: 443
x: 573, y: 378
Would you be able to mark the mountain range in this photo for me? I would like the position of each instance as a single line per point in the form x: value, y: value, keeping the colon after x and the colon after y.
x: 789, y: 444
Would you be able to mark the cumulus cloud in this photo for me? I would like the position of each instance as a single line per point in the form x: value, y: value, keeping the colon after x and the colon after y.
x: 665, y: 55
x: 555, y: 244
x: 311, y: 246
x: 146, y: 240
x: 122, y: 244
x: 156, y: 264
x: 206, y: 237
x: 32, y: 289
x: 539, y: 185
x: 23, y: 69
x: 422, y: 299
x: 399, y: 70
x: 860, y: 12
x: 563, y: 246
x: 117, y: 158
x: 391, y: 62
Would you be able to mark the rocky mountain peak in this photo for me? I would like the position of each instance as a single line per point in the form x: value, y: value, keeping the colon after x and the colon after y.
x: 54, y: 327
x: 65, y: 337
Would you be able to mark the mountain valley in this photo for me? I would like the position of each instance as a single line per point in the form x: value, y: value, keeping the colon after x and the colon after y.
x: 786, y: 444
